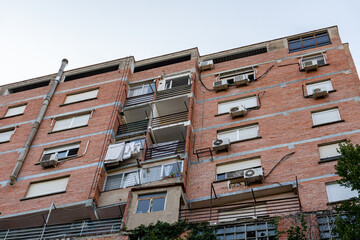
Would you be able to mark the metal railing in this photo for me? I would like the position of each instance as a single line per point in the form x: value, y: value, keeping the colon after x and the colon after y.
x: 175, y: 91
x: 130, y: 101
x: 164, y: 149
x: 139, y: 126
x: 64, y: 231
x: 232, y: 212
x: 169, y: 119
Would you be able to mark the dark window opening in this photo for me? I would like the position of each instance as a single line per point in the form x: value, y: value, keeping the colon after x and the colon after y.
x: 29, y: 87
x: 91, y: 73
x: 162, y: 63
x: 315, y: 40
x: 240, y: 55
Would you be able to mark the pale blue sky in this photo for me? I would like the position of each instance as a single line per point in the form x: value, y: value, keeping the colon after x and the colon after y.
x: 35, y: 35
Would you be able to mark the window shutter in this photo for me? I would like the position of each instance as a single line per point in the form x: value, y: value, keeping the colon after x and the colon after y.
x: 81, y: 96
x: 235, y: 166
x: 15, y: 111
x: 331, y: 115
x: 232, y: 135
x: 5, y: 136
x: 47, y: 187
x: 329, y: 151
x: 336, y: 192
x: 62, y: 124
x: 61, y: 148
x: 80, y: 120
x: 248, y: 132
x: 326, y: 85
x: 113, y: 182
x: 246, y: 102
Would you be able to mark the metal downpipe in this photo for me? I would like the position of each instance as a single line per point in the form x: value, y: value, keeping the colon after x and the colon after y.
x: 20, y: 161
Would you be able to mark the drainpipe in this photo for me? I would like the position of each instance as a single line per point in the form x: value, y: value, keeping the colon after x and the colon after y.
x: 20, y: 161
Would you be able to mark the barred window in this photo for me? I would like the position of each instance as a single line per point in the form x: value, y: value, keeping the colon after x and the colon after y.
x: 254, y: 231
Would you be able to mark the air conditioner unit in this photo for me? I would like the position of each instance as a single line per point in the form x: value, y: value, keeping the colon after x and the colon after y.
x: 49, y: 160
x: 206, y: 65
x: 310, y: 65
x: 319, y: 93
x: 238, y: 112
x: 241, y: 80
x: 253, y: 175
x: 221, y: 144
x: 220, y: 85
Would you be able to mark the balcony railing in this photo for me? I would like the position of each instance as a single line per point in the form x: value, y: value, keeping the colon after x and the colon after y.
x: 169, y: 119
x: 64, y: 231
x: 139, y: 126
x: 130, y: 101
x: 175, y: 91
x: 233, y: 212
x: 164, y: 149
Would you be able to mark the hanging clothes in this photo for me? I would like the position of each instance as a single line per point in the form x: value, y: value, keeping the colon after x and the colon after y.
x: 115, y: 153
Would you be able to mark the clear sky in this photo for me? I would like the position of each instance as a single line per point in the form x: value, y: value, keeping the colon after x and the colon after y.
x: 35, y: 35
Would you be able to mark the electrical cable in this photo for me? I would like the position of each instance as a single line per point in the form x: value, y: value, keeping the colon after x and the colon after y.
x: 263, y: 74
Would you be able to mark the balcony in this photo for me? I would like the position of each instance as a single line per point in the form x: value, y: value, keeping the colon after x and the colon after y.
x: 175, y: 91
x: 238, y: 211
x: 131, y: 101
x: 164, y: 149
x: 64, y: 231
x: 169, y: 119
x: 133, y: 128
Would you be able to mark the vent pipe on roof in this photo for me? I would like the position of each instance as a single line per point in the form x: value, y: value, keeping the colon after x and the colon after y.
x: 20, y: 161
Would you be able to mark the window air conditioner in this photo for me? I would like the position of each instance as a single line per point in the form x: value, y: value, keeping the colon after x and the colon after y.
x: 49, y: 160
x: 206, y: 65
x: 241, y: 80
x: 319, y: 93
x: 310, y: 65
x: 220, y: 85
x: 221, y: 144
x: 253, y: 175
x: 238, y: 112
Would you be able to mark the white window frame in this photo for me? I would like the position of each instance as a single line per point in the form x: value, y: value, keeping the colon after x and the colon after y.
x: 143, y: 87
x: 168, y: 82
x: 5, y: 134
x: 236, y: 166
x: 151, y: 198
x: 15, y: 110
x: 336, y: 192
x: 71, y: 122
x: 329, y: 151
x: 237, y: 132
x: 47, y: 187
x: 140, y: 173
x: 323, y: 85
x: 247, y: 102
x: 81, y: 96
x: 316, y: 116
x: 313, y: 58
x: 64, y: 148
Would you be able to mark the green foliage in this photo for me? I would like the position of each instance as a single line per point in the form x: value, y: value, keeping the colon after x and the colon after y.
x: 166, y: 231
x: 297, y: 232
x: 348, y: 168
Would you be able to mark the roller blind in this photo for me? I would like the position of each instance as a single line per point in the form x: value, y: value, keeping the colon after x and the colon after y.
x: 335, y: 192
x: 240, y: 133
x: 246, y: 102
x: 6, y: 135
x: 326, y: 85
x: 47, y: 187
x: 235, y: 166
x: 81, y: 96
x: 15, y: 111
x: 329, y: 150
x: 327, y: 116
x: 71, y: 122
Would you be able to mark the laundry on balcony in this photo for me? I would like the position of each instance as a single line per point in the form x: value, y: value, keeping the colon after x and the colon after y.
x: 121, y: 151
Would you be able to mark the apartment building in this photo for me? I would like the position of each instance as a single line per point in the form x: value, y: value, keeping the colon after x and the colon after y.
x: 243, y: 139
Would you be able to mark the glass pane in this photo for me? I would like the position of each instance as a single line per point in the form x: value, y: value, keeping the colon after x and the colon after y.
x: 73, y: 151
x: 62, y: 154
x: 261, y: 226
x: 180, y: 81
x: 240, y: 228
x: 294, y: 46
x: 229, y: 229
x: 230, y: 237
x: 219, y: 230
x: 308, y: 43
x: 158, y: 204
x: 113, y: 182
x: 250, y: 234
x: 149, y: 88
x: 130, y: 179
x: 261, y: 233
x: 151, y: 174
x: 135, y: 91
x: 322, y: 39
x: 240, y: 236
x: 173, y: 169
x: 220, y: 176
x: 152, y: 195
x: 250, y: 227
x: 143, y: 206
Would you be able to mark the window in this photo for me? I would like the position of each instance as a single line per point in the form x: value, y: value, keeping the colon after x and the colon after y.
x: 326, y: 224
x: 177, y: 81
x: 249, y: 102
x: 13, y: 111
x: 5, y: 135
x: 329, y: 152
x: 258, y: 230
x: 231, y: 77
x: 236, y: 169
x: 323, y: 86
x: 147, y: 175
x: 336, y: 193
x: 63, y: 151
x: 326, y: 116
x: 319, y: 60
x: 47, y: 187
x: 151, y: 203
x: 312, y: 41
x: 241, y: 133
x: 71, y: 122
x: 141, y: 89
x: 78, y: 97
